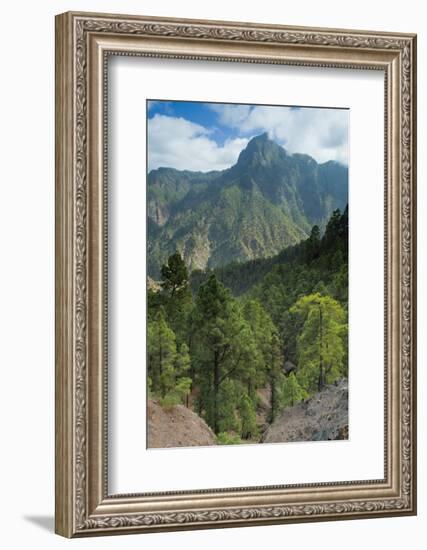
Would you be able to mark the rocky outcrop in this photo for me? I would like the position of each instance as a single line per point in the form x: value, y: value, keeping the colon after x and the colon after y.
x: 289, y: 367
x: 323, y: 417
x: 176, y: 427
x: 153, y: 285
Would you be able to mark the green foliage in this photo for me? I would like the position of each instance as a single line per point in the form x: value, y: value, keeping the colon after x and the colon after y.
x: 178, y: 394
x: 247, y: 414
x: 161, y: 354
x: 322, y: 343
x: 170, y: 400
x: 168, y: 368
x: 278, y: 281
x: 262, y: 329
x: 275, y: 376
x: 223, y: 347
x: 213, y: 348
x: 183, y: 387
x: 313, y: 244
x: 174, y: 274
x: 225, y: 438
x: 183, y: 361
x: 292, y: 393
x: 227, y: 401
x: 175, y: 297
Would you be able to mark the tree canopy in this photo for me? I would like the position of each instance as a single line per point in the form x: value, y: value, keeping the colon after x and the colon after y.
x: 218, y: 340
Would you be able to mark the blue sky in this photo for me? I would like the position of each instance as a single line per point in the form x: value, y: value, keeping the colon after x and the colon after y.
x: 210, y: 136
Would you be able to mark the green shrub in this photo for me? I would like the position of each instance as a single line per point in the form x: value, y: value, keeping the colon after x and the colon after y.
x: 228, y: 438
x: 248, y: 417
x: 170, y: 400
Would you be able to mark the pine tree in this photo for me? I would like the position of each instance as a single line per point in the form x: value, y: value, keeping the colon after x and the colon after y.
x: 262, y: 329
x: 161, y: 355
x: 224, y: 348
x: 183, y: 361
x: 292, y: 393
x: 174, y: 274
x: 181, y: 391
x: 213, y: 346
x: 313, y: 244
x: 275, y: 376
x: 247, y: 414
x: 221, y: 348
x: 176, y: 297
x: 321, y: 345
x: 182, y: 373
x: 227, y: 402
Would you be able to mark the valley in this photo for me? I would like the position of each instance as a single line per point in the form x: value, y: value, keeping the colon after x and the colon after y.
x: 240, y: 344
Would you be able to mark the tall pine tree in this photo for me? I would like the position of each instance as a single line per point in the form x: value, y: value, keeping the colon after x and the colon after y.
x: 275, y: 376
x: 161, y: 355
x: 224, y: 350
x: 321, y: 345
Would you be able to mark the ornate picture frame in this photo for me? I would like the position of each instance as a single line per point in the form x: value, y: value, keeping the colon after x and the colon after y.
x: 84, y: 42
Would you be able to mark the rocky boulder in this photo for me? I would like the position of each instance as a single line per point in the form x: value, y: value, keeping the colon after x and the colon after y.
x: 323, y: 417
x: 176, y: 427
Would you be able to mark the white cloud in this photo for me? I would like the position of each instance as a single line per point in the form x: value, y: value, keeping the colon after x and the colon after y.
x: 184, y: 145
x: 320, y: 133
x: 231, y: 115
x: 181, y: 144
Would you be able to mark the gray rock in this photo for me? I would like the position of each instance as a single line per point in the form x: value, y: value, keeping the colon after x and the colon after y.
x: 323, y: 417
x: 289, y: 367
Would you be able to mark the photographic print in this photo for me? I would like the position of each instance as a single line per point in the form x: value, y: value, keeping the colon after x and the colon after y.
x: 247, y: 274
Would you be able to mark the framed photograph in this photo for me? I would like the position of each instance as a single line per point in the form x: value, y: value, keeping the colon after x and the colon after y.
x: 235, y: 274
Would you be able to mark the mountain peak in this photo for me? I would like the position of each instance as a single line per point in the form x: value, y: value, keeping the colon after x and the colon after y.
x: 260, y: 138
x: 261, y: 150
x: 261, y: 141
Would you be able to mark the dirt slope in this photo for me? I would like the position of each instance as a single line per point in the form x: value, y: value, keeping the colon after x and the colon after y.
x: 176, y: 427
x: 323, y: 417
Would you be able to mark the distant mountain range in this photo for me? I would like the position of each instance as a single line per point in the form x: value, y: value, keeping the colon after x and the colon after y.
x: 267, y: 201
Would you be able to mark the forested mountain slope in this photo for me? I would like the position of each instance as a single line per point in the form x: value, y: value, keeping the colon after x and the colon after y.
x: 220, y: 339
x: 267, y: 201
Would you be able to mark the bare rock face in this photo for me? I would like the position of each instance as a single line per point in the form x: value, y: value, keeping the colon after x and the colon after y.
x: 323, y: 417
x: 176, y: 427
x: 289, y: 367
x: 153, y: 285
